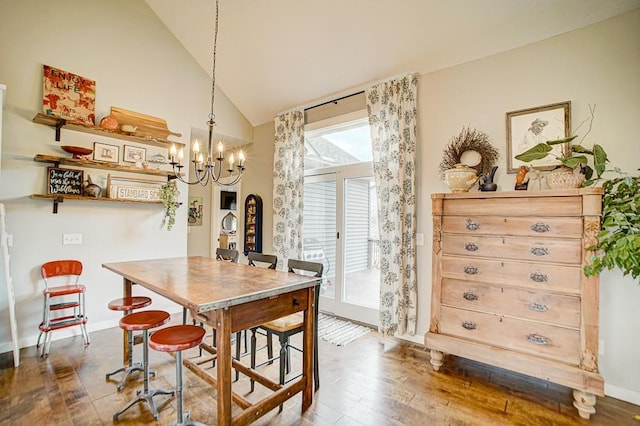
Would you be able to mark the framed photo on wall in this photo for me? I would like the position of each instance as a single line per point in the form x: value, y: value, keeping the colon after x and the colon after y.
x: 106, y: 152
x: 134, y: 154
x: 528, y: 127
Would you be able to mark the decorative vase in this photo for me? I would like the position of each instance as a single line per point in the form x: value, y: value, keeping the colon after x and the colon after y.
x: 486, y: 183
x: 564, y: 177
x: 460, y: 178
x: 92, y: 190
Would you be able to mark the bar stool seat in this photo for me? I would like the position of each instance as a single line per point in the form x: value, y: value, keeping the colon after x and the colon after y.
x: 128, y: 304
x: 144, y: 321
x: 177, y: 339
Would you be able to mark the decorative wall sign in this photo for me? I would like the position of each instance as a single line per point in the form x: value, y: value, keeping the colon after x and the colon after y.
x: 131, y: 192
x: 68, y: 95
x: 64, y: 181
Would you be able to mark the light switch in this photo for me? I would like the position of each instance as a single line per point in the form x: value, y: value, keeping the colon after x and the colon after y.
x: 71, y: 239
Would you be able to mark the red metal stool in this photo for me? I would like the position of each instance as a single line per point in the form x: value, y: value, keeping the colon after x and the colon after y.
x: 128, y: 304
x: 177, y: 339
x: 144, y: 321
x: 70, y: 270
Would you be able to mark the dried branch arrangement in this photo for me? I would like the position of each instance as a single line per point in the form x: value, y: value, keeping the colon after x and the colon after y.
x: 470, y: 140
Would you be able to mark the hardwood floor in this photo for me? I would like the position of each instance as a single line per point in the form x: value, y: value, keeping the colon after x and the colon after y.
x: 372, y: 381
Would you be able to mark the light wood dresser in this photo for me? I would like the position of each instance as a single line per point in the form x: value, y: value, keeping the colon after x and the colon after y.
x: 508, y: 286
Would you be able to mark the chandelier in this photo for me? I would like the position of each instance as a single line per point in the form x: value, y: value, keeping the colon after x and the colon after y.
x: 209, y: 169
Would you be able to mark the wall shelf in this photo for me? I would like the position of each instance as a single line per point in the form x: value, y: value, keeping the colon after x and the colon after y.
x: 81, y: 162
x: 61, y: 123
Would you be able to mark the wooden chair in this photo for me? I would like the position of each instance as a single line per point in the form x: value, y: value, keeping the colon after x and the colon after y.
x: 269, y: 261
x: 228, y: 255
x: 287, y: 326
x: 69, y: 270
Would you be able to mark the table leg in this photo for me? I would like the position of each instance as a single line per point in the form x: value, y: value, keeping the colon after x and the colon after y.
x: 223, y: 331
x: 126, y: 292
x: 307, y: 352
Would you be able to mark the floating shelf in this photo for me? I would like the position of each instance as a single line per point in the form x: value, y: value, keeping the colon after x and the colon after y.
x: 59, y: 198
x: 61, y: 123
x: 81, y: 162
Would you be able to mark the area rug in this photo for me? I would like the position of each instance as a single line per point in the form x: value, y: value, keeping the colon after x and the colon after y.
x: 339, y: 332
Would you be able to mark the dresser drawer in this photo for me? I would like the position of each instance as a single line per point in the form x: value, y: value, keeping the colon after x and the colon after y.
x: 517, y: 248
x: 565, y: 227
x: 540, y: 276
x: 517, y: 302
x: 520, y: 206
x: 543, y: 340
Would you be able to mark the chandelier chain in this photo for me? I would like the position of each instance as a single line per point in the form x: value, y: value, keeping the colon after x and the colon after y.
x: 213, y: 69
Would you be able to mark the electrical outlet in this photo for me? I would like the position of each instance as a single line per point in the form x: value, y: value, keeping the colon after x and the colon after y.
x: 71, y: 239
x: 420, y: 239
x: 9, y: 240
x: 600, y: 347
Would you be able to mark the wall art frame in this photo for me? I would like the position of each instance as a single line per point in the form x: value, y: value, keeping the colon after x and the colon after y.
x: 106, y: 152
x: 528, y: 127
x: 134, y: 154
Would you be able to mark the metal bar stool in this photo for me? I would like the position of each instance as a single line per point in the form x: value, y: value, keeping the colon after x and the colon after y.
x: 144, y: 321
x: 177, y: 339
x: 128, y: 304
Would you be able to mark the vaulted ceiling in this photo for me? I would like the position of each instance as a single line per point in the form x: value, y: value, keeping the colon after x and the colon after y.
x: 274, y: 55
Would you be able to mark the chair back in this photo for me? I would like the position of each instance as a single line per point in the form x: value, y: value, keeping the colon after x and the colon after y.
x: 59, y: 268
x: 270, y: 260
x: 227, y: 255
x: 302, y: 266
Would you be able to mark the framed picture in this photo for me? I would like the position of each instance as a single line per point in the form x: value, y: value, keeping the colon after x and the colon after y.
x: 528, y: 127
x: 134, y: 154
x: 106, y: 152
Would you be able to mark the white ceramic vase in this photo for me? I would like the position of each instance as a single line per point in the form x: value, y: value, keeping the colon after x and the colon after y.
x: 565, y: 178
x: 460, y: 178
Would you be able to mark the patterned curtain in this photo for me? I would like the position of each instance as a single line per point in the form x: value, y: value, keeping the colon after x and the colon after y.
x: 392, y: 118
x: 288, y: 185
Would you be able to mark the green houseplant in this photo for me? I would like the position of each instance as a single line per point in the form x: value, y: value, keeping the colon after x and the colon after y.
x: 169, y: 196
x: 619, y: 236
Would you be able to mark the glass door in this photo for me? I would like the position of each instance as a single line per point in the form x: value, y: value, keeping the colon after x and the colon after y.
x: 340, y: 229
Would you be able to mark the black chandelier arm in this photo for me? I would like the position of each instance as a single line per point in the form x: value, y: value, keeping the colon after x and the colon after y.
x: 209, y: 173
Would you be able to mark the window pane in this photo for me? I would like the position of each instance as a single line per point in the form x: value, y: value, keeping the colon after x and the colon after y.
x: 338, y: 146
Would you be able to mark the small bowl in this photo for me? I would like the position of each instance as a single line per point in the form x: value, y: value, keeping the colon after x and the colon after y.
x: 77, y: 151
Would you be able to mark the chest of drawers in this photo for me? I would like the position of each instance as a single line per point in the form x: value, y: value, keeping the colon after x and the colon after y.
x: 508, y: 287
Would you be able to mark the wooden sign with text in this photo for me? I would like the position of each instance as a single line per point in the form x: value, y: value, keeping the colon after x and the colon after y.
x: 64, y: 181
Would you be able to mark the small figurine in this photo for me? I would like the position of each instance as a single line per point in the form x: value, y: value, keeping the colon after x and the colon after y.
x: 536, y: 180
x: 521, y: 183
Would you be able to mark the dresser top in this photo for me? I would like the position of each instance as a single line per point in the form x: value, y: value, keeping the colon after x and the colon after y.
x: 519, y: 194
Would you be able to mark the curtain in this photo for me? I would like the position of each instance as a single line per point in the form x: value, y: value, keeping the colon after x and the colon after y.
x: 392, y: 119
x: 288, y: 185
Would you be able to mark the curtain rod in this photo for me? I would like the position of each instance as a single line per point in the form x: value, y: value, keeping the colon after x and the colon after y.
x: 334, y: 101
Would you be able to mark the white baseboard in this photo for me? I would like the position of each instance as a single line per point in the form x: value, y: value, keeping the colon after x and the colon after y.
x: 626, y: 395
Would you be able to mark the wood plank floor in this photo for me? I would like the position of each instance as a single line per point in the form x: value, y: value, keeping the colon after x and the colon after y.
x: 372, y: 381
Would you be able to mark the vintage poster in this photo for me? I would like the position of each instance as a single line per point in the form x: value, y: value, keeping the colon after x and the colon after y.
x: 68, y: 95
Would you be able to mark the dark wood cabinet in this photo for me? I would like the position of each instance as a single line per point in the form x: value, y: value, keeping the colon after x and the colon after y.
x: 252, y: 224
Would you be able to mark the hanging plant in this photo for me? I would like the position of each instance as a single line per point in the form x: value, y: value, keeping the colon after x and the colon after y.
x: 169, y: 196
x: 469, y: 140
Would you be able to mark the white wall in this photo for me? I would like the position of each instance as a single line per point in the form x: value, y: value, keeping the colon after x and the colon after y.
x: 138, y: 65
x: 596, y: 65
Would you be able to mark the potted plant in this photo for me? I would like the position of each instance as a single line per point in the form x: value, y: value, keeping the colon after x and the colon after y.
x: 573, y: 157
x: 169, y: 196
x: 619, y: 236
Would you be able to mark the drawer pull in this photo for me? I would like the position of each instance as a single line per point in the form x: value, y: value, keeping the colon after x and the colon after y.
x: 540, y: 227
x: 538, y: 277
x: 537, y: 339
x: 472, y: 226
x: 471, y: 270
x: 296, y: 302
x: 469, y: 325
x: 470, y: 296
x: 471, y: 247
x: 538, y: 307
x: 539, y: 251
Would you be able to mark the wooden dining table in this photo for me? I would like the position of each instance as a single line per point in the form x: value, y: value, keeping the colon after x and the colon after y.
x: 231, y: 297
